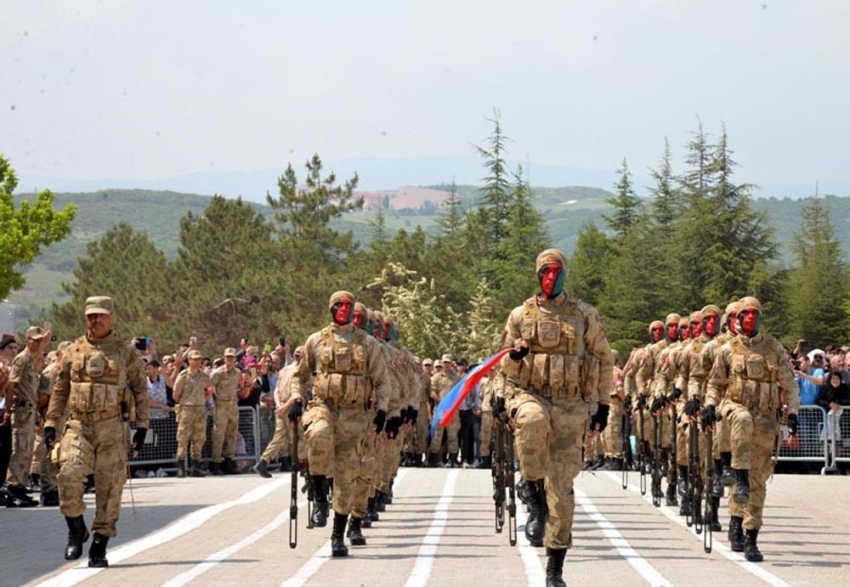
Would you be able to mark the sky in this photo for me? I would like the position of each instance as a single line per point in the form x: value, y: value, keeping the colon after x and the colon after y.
x: 220, y: 96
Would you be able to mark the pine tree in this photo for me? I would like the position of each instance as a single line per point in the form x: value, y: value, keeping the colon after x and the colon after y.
x: 589, y: 263
x: 625, y: 202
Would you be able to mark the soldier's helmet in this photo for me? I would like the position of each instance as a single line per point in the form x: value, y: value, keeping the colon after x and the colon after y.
x: 749, y: 303
x: 731, y: 309
x: 696, y: 316
x: 551, y: 256
x: 710, y: 310
x: 337, y: 297
x: 655, y: 324
x: 672, y: 318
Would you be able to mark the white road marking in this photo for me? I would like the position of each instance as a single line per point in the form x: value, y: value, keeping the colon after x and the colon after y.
x: 530, y: 556
x: 640, y: 564
x: 719, y: 546
x: 182, y: 526
x: 427, y: 552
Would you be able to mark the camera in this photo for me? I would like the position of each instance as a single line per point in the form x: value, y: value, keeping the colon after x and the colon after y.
x: 141, y: 343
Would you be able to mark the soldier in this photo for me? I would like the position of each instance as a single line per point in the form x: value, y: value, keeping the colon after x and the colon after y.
x: 614, y: 430
x: 348, y: 364
x: 750, y: 372
x: 641, y: 374
x: 280, y: 442
x: 100, y: 375
x: 558, y: 370
x: 49, y: 490
x: 22, y: 401
x: 487, y: 400
x: 191, y: 391
x: 423, y: 420
x: 441, y: 384
x: 225, y: 381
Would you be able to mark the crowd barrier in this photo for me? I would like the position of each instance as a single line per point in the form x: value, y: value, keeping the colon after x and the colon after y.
x: 255, y: 430
x: 813, y: 445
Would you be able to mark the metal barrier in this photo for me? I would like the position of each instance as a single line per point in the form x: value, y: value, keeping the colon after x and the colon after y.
x: 813, y: 442
x: 161, y: 442
x: 838, y: 437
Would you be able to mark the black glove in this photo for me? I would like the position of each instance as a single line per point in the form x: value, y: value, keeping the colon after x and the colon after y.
x: 600, y: 418
x: 692, y: 407
x: 677, y: 393
x: 380, y: 419
x: 414, y: 414
x: 641, y: 402
x: 393, y: 424
x: 658, y: 404
x: 708, y: 416
x: 49, y: 437
x: 139, y: 437
x: 518, y: 354
x: 792, y: 424
x: 627, y: 404
x: 295, y: 412
x: 500, y: 409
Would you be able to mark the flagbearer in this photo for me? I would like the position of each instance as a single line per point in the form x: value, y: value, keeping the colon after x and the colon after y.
x: 441, y: 384
x: 559, y: 369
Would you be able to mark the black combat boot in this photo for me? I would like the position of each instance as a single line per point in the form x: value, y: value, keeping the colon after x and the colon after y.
x: 714, y: 521
x: 216, y: 469
x: 751, y: 548
x: 486, y: 462
x: 555, y: 567
x: 196, y: 470
x: 262, y: 469
x: 598, y: 463
x: 320, y: 512
x: 742, y: 486
x: 373, y: 510
x: 97, y: 551
x: 686, y: 508
x: 716, y: 484
x: 230, y: 467
x: 535, y: 526
x: 354, y: 534
x: 682, y: 488
x: 286, y: 464
x: 434, y: 460
x: 452, y: 460
x: 727, y: 475
x: 19, y: 497
x: 736, y: 534
x: 613, y: 464
x: 380, y: 503
x: 366, y: 521
x: 49, y: 498
x: 34, y: 482
x: 670, y: 497
x: 338, y: 547
x: 78, y: 534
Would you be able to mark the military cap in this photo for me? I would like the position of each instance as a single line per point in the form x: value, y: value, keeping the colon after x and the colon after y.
x: 428, y: 362
x: 230, y: 352
x: 339, y: 295
x: 195, y: 354
x: 447, y: 358
x: 34, y: 332
x: 550, y: 256
x: 99, y: 305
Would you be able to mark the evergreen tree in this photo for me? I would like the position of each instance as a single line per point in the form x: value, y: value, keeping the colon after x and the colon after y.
x: 625, y: 203
x: 494, y: 208
x: 588, y: 264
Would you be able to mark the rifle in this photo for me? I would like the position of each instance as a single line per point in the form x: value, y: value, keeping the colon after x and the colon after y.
x: 498, y: 469
x: 708, y: 514
x: 673, y: 476
x: 627, y: 445
x: 641, y: 448
x: 293, y: 490
x: 695, y: 482
x: 656, y: 463
x: 510, y: 482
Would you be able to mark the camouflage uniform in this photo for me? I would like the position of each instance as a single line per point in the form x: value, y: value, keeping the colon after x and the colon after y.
x: 441, y: 383
x: 281, y: 441
x: 614, y: 431
x: 420, y: 445
x: 487, y: 400
x: 225, y: 414
x: 190, y: 392
x: 24, y: 377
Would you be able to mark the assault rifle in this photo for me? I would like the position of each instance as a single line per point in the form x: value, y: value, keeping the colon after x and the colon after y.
x: 695, y: 482
x: 498, y: 470
x: 627, y: 444
x: 708, y: 514
x: 293, y: 489
x: 510, y: 482
x: 656, y: 462
x: 673, y: 477
x: 310, y: 490
x: 641, y: 447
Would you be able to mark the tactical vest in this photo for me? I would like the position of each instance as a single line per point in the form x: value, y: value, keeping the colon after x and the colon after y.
x: 341, y: 370
x: 752, y: 379
x: 555, y: 363
x: 98, y: 380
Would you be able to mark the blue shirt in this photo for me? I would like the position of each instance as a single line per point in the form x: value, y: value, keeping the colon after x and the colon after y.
x: 809, y: 391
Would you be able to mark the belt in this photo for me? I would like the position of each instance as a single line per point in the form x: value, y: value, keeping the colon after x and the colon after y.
x: 93, y: 416
x: 22, y: 403
x: 226, y: 401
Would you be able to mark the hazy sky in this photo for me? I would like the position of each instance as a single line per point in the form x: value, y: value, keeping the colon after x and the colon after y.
x: 158, y: 89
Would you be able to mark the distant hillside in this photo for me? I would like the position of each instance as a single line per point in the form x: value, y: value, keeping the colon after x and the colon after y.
x: 159, y: 213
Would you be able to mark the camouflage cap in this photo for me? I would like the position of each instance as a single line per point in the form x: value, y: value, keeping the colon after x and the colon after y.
x: 230, y: 352
x: 339, y: 295
x: 195, y: 354
x: 710, y: 310
x: 550, y: 256
x: 63, y: 345
x: 447, y: 358
x: 428, y: 362
x: 34, y: 333
x: 99, y: 305
x: 671, y: 318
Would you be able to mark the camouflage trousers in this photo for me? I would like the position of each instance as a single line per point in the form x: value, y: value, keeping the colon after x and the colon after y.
x: 387, y: 462
x: 723, y: 431
x: 42, y: 465
x: 225, y: 426
x: 99, y: 447
x: 420, y: 444
x: 549, y: 437
x: 364, y: 486
x: 281, y: 441
x: 23, y: 441
x: 453, y: 429
x: 753, y: 441
x: 334, y: 443
x: 664, y: 438
x: 681, y: 434
x: 614, y: 429
x: 486, y: 433
x: 192, y: 427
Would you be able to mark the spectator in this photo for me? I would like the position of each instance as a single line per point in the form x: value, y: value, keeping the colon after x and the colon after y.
x: 162, y: 425
x: 810, y: 378
x: 8, y: 350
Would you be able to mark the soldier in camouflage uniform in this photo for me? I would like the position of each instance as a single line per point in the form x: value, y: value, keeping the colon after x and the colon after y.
x: 191, y: 391
x: 614, y: 431
x: 642, y: 372
x: 225, y: 381
x: 47, y: 470
x: 349, y: 367
x: 751, y: 371
x: 100, y: 376
x: 441, y: 384
x: 423, y: 419
x: 558, y: 372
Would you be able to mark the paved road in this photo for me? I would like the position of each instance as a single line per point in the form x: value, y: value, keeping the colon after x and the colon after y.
x: 439, y: 531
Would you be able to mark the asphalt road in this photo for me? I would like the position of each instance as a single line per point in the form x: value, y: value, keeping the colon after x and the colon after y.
x: 439, y: 531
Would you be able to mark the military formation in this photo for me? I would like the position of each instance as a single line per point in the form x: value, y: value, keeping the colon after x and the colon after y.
x: 702, y: 400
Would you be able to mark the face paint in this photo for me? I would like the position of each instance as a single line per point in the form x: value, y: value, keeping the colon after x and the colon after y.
x: 696, y: 329
x: 656, y: 333
x: 358, y: 319
x: 685, y: 332
x: 733, y: 323
x: 551, y: 277
x: 749, y: 322
x: 672, y: 331
x: 342, y: 311
x: 710, y: 325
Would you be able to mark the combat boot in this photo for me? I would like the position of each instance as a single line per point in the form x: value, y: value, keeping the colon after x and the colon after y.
x: 486, y: 462
x: 197, y: 471
x: 286, y: 464
x: 354, y: 534
x: 261, y: 469
x: 736, y: 534
x: 320, y: 512
x: 373, y: 510
x: 716, y: 483
x: 49, y: 498
x: 338, y: 547
x: 535, y: 526
x: 742, y: 486
x: 751, y: 548
x: 380, y: 501
x: 727, y: 475
x: 34, y: 482
x: 686, y: 508
x: 434, y: 460
x: 216, y: 469
x: 598, y: 463
x: 555, y: 567
x: 613, y: 464
x: 366, y: 521
x: 670, y: 497
x: 97, y: 552
x: 452, y: 460
x: 18, y: 497
x: 181, y: 468
x: 230, y: 467
x: 682, y: 488
x: 714, y: 521
x: 78, y: 534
